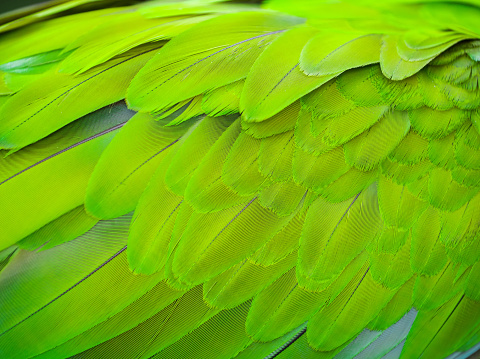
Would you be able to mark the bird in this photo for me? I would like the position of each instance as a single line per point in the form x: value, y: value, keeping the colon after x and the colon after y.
x: 240, y: 179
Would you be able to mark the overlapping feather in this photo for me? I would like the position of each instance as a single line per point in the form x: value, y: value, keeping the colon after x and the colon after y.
x: 341, y: 192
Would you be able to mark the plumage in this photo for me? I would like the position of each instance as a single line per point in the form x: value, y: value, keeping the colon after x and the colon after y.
x: 240, y: 179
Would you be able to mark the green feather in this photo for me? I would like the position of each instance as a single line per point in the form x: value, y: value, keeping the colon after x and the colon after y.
x: 185, y: 61
x: 243, y: 281
x: 135, y: 313
x: 326, y: 227
x: 47, y: 179
x: 136, y: 152
x: 300, y: 179
x: 263, y: 97
x: 120, y: 34
x: 224, y: 100
x: 65, y: 228
x: 316, y: 172
x: 398, y: 206
x: 367, y: 150
x: 98, y: 260
x: 329, y: 54
x: 228, y: 324
x: 356, y: 305
x: 279, y: 123
x: 72, y: 96
x: 206, y: 191
x: 240, y: 170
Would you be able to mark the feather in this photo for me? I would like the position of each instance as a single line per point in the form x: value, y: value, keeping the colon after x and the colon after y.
x: 357, y: 306
x: 185, y: 60
x: 328, y: 54
x: 224, y: 100
x: 263, y: 98
x: 390, y: 338
x: 393, y: 65
x: 325, y: 228
x: 202, y: 251
x: 148, y: 305
x: 63, y: 229
x: 49, y: 35
x: 166, y: 327
x: 240, y: 170
x: 153, y: 222
x: 243, y: 281
x: 288, y: 179
x: 115, y: 190
x: 398, y: 206
x: 367, y: 150
x: 40, y: 185
x: 229, y: 324
x: 73, y: 96
x: 440, y: 340
x: 118, y: 35
x: 283, y: 243
x: 97, y: 257
x: 206, y: 191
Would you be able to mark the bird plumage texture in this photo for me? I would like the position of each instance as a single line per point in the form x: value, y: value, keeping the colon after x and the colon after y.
x: 226, y: 179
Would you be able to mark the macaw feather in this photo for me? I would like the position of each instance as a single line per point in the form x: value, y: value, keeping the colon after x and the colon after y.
x: 238, y: 179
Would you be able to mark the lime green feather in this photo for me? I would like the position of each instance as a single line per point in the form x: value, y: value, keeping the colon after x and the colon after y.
x: 316, y: 172
x: 304, y: 178
x: 65, y: 228
x: 181, y: 69
x: 243, y: 281
x: 281, y: 307
x: 224, y: 100
x: 356, y: 305
x: 445, y: 193
x: 459, y: 232
x: 391, y: 270
x: 341, y: 129
x: 228, y: 324
x: 433, y: 124
x: 193, y: 147
x: 240, y: 170
x: 428, y: 252
x: 264, y: 95
x: 431, y: 292
x: 159, y: 331
x: 98, y: 259
x: 50, y: 35
x: 330, y: 53
x: 390, y: 240
x: 135, y: 313
x: 348, y: 185
x: 275, y: 156
x: 432, y: 335
x: 72, y: 96
x: 304, y: 137
x: 203, y: 250
x: 400, y: 303
x: 283, y: 243
x: 120, y: 34
x: 367, y: 150
x: 412, y: 149
x: 281, y: 122
x: 206, y: 191
x: 47, y: 179
x: 138, y: 149
x: 282, y: 198
x: 398, y: 206
x: 36, y: 64
x: 152, y: 224
x: 323, y: 237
